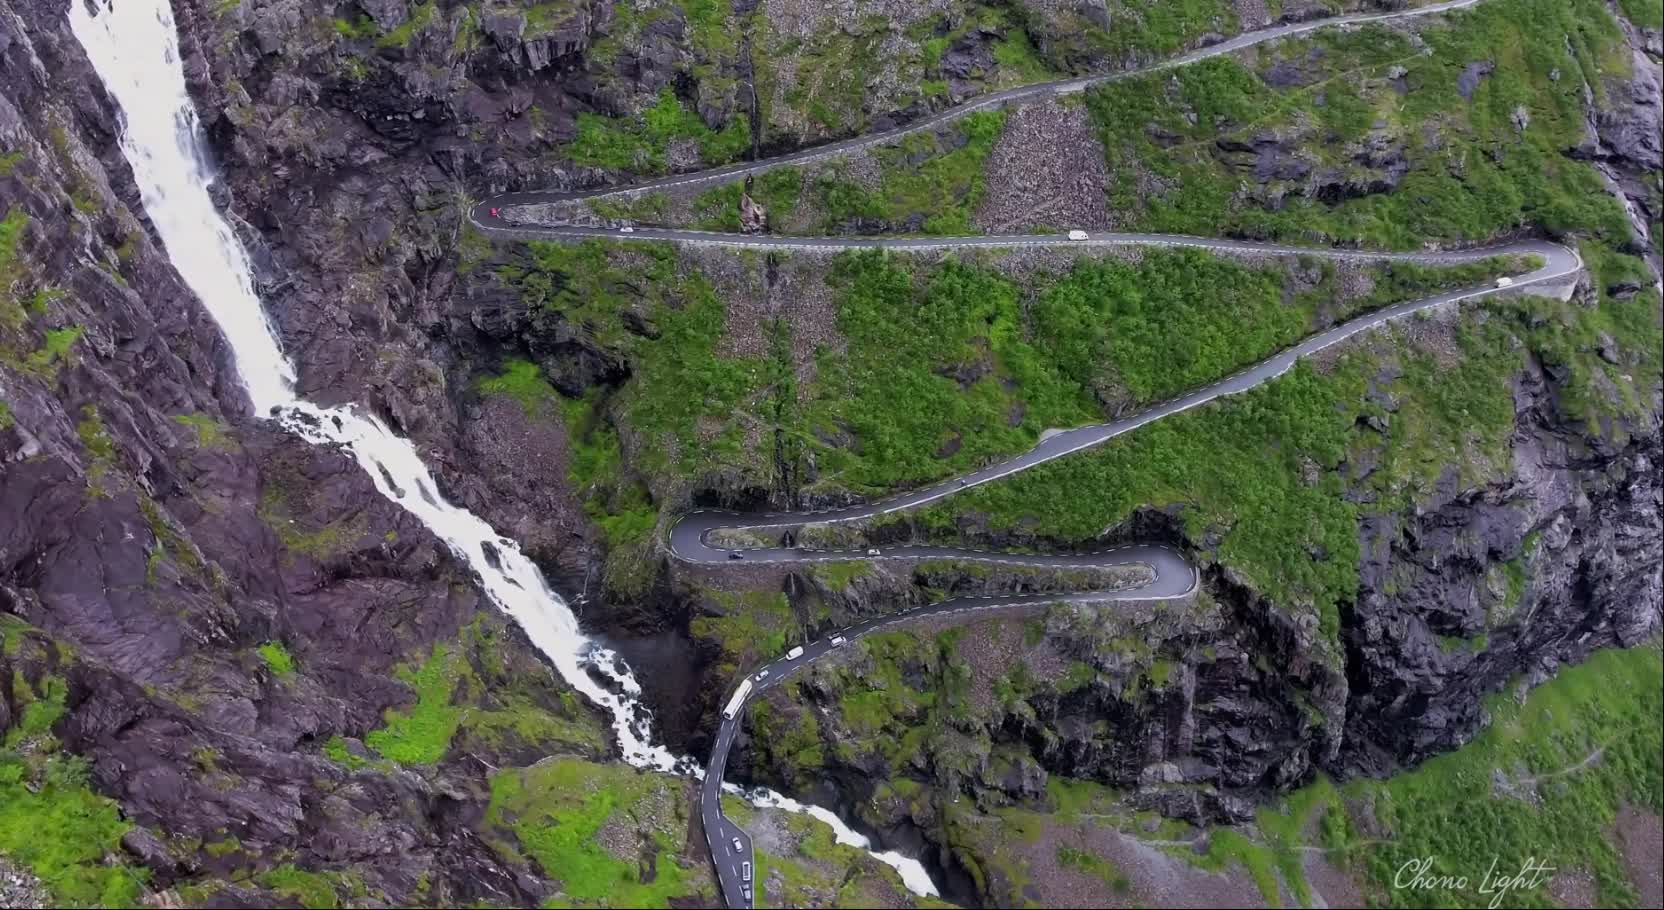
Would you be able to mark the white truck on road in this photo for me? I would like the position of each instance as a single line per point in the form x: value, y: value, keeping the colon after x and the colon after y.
x: 738, y: 701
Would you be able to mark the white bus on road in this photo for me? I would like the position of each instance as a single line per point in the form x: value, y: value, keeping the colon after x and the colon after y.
x: 738, y: 699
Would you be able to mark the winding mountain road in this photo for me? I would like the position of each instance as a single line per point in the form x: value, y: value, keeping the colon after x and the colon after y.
x: 1170, y: 574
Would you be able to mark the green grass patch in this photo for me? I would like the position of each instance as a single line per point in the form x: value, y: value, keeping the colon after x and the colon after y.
x: 639, y: 144
x: 277, y: 658
x: 100, y: 448
x: 311, y: 890
x: 544, y: 18
x: 54, y: 351
x: 837, y: 576
x: 752, y: 627
x: 55, y: 826
x: 1644, y: 13
x: 779, y: 191
x: 210, y: 432
x: 648, y: 208
x: 421, y: 734
x: 556, y: 811
x: 1092, y: 864
x: 336, y: 750
x: 466, y: 695
x: 1171, y: 322
x: 934, y: 370
x: 358, y: 29
x: 522, y: 381
x: 401, y: 36
x: 1564, y: 802
x: 11, y: 240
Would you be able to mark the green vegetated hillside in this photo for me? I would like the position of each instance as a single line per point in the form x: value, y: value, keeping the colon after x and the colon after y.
x: 813, y: 72
x: 1268, y: 475
x: 1556, y: 775
x: 1444, y: 129
x: 52, y: 823
x: 1480, y: 104
x: 937, y: 368
x: 876, y: 372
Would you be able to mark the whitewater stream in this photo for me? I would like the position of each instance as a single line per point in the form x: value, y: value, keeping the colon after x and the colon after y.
x: 134, y: 47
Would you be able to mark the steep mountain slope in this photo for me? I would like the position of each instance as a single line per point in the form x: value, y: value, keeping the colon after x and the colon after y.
x: 203, y: 616
x: 231, y: 670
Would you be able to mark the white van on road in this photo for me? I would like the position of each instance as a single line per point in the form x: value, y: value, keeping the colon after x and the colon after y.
x: 795, y: 653
x: 1077, y: 235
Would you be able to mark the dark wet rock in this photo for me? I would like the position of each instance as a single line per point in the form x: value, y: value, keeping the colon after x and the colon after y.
x: 1287, y: 74
x: 1468, y: 82
x: 1197, y: 805
x: 1304, y: 12
x: 971, y: 57
x: 1590, y: 536
x: 753, y: 220
x: 574, y: 362
x: 389, y: 14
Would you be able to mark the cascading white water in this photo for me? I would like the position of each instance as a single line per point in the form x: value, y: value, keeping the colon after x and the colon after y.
x: 134, y: 46
x: 912, y: 872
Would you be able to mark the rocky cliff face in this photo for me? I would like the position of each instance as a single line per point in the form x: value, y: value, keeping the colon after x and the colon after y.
x: 154, y: 536
x: 1448, y: 612
x: 1203, y: 711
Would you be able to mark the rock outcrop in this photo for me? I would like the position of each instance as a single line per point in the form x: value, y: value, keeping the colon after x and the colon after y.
x: 155, y: 534
x: 202, y: 598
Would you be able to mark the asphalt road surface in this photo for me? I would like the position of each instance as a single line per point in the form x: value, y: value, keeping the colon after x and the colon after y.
x: 1171, y: 575
x: 721, y: 833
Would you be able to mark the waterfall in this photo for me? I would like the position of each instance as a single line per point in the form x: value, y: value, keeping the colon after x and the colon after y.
x: 912, y: 872
x: 134, y: 46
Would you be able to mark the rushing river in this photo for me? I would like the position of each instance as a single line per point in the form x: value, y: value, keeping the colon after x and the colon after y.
x: 134, y: 46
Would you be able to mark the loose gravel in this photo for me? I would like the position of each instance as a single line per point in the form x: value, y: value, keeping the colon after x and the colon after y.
x: 1046, y: 171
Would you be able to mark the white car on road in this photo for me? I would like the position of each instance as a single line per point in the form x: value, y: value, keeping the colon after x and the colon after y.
x: 837, y: 640
x: 1504, y: 282
x: 737, y: 846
